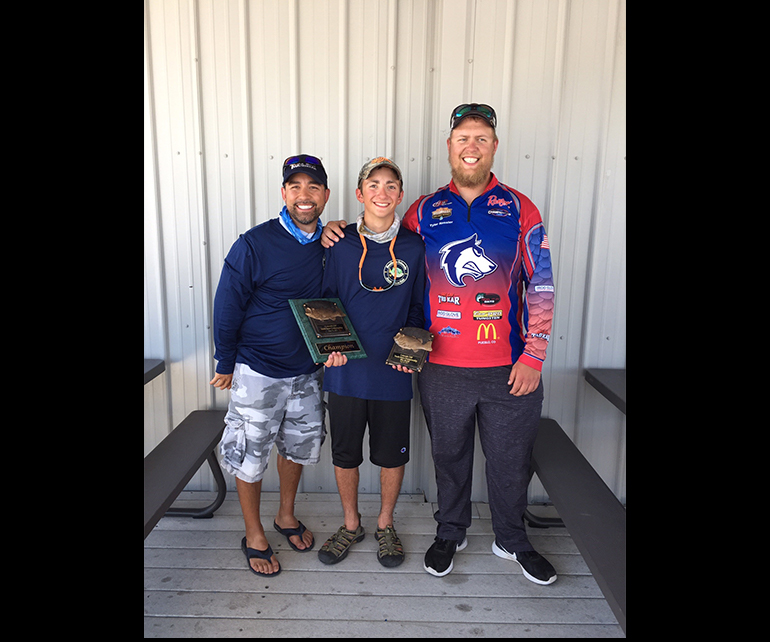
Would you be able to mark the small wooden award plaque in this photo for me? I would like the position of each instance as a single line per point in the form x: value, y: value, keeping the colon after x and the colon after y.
x: 410, y: 348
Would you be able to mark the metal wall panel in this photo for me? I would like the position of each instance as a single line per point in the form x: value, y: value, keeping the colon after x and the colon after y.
x: 232, y: 87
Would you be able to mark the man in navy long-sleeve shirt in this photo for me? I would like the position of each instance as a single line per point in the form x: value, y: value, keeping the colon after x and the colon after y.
x: 262, y: 357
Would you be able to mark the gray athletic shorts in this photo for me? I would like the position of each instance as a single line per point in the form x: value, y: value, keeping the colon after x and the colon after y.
x: 264, y: 411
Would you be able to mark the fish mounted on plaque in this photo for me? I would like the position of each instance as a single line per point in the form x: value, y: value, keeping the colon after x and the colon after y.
x: 410, y: 348
x: 326, y: 318
x: 326, y: 328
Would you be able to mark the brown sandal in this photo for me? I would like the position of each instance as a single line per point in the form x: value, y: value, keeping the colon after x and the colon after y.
x: 391, y: 552
x: 336, y: 548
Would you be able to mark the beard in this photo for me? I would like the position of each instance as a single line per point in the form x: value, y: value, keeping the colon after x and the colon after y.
x: 478, y: 176
x: 306, y: 217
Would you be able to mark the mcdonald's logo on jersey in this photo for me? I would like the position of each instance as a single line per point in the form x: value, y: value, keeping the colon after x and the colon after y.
x: 489, y: 329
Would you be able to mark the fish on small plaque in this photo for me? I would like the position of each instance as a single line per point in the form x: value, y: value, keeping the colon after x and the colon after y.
x: 410, y: 348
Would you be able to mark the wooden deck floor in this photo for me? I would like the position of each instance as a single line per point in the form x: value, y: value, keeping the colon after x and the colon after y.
x: 196, y: 583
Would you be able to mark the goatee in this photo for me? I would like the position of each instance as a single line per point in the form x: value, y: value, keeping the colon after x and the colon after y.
x: 304, y: 218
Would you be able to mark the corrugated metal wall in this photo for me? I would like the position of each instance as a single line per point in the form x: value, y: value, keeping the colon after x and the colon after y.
x: 232, y: 87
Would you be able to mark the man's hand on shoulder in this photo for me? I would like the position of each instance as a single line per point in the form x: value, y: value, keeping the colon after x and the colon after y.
x: 332, y: 232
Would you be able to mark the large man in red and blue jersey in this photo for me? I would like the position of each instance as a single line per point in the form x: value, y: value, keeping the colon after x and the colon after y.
x: 489, y: 302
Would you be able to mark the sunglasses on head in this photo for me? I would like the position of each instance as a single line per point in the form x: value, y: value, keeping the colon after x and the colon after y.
x: 469, y: 109
x: 302, y: 158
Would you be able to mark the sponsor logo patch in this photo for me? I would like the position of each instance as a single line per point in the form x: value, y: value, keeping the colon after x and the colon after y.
x: 487, y: 298
x: 448, y: 298
x: 487, y: 315
x: 449, y: 331
x: 490, y: 333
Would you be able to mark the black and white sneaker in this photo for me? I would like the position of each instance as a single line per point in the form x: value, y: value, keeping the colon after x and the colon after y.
x: 438, y: 559
x: 536, y: 568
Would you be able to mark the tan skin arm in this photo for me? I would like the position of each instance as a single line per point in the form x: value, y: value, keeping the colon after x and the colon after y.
x: 332, y: 232
x: 524, y: 379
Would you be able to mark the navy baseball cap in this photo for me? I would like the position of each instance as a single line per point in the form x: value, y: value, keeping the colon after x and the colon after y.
x: 305, y: 164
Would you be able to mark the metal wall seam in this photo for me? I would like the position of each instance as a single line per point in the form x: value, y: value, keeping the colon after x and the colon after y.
x: 343, y: 164
x: 204, y: 271
x: 294, y: 98
x: 390, y: 98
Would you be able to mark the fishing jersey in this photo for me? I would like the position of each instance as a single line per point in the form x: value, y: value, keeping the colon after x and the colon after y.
x: 489, y: 289
x: 376, y: 316
x: 253, y: 323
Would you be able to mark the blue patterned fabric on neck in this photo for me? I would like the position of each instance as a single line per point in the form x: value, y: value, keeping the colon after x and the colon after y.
x: 291, y: 227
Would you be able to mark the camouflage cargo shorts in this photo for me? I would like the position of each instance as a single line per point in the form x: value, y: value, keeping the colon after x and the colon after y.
x: 264, y: 411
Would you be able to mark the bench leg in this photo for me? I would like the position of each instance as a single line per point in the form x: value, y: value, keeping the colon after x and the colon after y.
x: 208, y: 511
x: 541, y: 522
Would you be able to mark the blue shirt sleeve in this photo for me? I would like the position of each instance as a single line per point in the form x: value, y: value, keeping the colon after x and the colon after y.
x: 416, y: 317
x: 236, y: 285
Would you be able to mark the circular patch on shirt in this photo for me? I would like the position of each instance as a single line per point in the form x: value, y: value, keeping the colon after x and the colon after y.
x: 402, y: 272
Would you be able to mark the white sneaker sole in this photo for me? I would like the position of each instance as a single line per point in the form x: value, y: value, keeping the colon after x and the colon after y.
x: 433, y: 571
x: 500, y: 552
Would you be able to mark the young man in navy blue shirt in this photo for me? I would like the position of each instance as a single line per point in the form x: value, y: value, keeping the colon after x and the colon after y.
x: 378, y: 273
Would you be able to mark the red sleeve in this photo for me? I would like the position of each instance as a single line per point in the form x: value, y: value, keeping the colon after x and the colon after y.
x: 410, y: 220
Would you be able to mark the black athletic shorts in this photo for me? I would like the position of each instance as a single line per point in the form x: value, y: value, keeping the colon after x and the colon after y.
x: 388, y: 431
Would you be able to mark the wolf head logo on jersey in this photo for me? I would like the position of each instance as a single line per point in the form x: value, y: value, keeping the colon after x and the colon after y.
x: 465, y: 258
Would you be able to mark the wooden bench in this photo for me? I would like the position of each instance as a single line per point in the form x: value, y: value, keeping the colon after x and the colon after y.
x: 594, y: 517
x: 153, y: 368
x: 174, y: 461
x: 611, y: 383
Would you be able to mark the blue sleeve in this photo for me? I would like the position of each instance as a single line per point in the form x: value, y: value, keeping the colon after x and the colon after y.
x: 329, y: 284
x: 416, y: 317
x: 236, y: 285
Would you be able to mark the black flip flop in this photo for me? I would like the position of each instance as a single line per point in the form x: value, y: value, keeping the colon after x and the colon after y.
x: 290, y: 532
x: 263, y: 555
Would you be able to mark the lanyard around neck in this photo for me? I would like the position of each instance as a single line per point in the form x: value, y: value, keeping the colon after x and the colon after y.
x: 361, y: 264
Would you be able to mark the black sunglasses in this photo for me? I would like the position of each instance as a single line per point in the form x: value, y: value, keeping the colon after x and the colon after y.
x: 473, y: 109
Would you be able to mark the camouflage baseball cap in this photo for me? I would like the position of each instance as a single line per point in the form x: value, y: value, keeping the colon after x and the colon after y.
x: 376, y: 163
